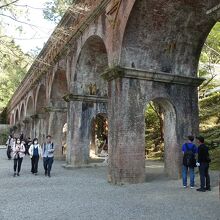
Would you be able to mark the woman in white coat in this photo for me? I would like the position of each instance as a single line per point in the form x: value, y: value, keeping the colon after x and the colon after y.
x: 35, y: 152
x: 18, y: 152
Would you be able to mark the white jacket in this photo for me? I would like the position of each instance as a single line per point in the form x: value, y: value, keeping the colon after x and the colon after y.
x: 31, y: 150
x: 18, y: 149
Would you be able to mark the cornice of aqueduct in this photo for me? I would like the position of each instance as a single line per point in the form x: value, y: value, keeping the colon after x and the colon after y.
x: 57, y: 44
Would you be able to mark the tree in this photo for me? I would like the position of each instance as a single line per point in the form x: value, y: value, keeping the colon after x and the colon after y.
x: 55, y: 9
x: 209, y: 57
x: 14, y: 63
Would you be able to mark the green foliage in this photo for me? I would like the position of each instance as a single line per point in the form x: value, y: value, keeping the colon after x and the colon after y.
x: 14, y: 63
x: 210, y: 118
x: 154, y: 142
x: 55, y: 9
x: 215, y: 155
x: 4, y: 116
x: 210, y: 55
x: 3, y: 137
x: 13, y: 67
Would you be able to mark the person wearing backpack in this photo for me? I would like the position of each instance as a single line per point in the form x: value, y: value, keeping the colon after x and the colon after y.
x: 203, y: 163
x: 48, y: 150
x: 189, y: 150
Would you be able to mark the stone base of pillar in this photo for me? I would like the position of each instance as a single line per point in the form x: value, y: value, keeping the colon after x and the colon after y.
x: 90, y: 165
x: 60, y: 157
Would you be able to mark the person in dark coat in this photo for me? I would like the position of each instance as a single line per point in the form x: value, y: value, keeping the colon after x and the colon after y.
x: 203, y: 163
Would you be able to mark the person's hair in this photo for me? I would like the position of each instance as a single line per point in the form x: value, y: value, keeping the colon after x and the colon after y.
x: 48, y: 136
x: 16, y: 140
x: 201, y: 139
x: 191, y: 138
x: 35, y: 139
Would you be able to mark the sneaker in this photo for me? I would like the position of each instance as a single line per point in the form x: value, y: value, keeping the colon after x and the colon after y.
x: 18, y: 174
x: 191, y: 187
x: 184, y: 186
x: 201, y: 190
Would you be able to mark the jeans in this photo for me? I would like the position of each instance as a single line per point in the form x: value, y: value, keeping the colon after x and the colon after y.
x: 48, y: 161
x: 17, y: 164
x: 191, y: 174
x: 204, y: 175
x: 34, y: 164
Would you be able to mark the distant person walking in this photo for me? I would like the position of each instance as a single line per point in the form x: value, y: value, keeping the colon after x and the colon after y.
x: 18, y: 154
x: 9, y: 146
x: 189, y: 150
x: 27, y: 145
x: 35, y: 152
x: 48, y: 157
x: 203, y: 163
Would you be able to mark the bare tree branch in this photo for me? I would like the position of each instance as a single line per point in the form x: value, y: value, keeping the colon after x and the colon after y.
x: 6, y: 5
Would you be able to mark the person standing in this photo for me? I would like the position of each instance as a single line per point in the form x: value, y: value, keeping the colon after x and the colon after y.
x: 35, y: 152
x: 189, y: 150
x: 48, y: 150
x: 203, y: 163
x: 27, y: 145
x: 9, y: 146
x: 18, y: 154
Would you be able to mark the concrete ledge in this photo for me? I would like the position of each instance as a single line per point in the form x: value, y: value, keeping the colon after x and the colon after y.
x: 151, y: 75
x: 90, y: 165
x: 85, y: 98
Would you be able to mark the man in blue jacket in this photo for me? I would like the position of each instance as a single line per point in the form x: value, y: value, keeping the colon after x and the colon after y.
x: 189, y: 150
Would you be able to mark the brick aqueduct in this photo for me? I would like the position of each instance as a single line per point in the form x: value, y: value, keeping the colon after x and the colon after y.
x: 113, y: 57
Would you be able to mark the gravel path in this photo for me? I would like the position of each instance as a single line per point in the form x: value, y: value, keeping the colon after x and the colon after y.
x: 83, y: 194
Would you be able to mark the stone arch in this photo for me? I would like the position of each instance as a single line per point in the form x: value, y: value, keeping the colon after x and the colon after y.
x: 12, y: 118
x: 91, y: 62
x: 154, y: 40
x: 17, y: 118
x: 59, y: 86
x: 22, y: 111
x: 41, y: 99
x: 30, y: 106
x: 171, y: 148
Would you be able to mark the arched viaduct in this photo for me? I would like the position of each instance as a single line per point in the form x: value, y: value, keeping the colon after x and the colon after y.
x: 114, y: 57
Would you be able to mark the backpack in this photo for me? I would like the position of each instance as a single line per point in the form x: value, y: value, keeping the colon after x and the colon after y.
x: 189, y: 157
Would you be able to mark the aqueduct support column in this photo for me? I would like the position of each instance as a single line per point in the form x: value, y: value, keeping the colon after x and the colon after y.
x: 130, y: 91
x: 57, y: 119
x: 81, y: 110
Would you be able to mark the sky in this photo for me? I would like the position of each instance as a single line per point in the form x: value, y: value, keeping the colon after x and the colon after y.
x: 37, y: 30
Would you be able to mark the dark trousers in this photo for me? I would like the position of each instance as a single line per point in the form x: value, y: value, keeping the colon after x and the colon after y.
x: 9, y: 152
x: 204, y: 175
x: 48, y: 161
x: 34, y: 164
x: 17, y: 164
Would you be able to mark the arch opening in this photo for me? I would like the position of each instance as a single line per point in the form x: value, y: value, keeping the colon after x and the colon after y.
x: 30, y: 107
x: 99, y: 138
x: 59, y: 87
x: 160, y: 139
x: 41, y: 100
